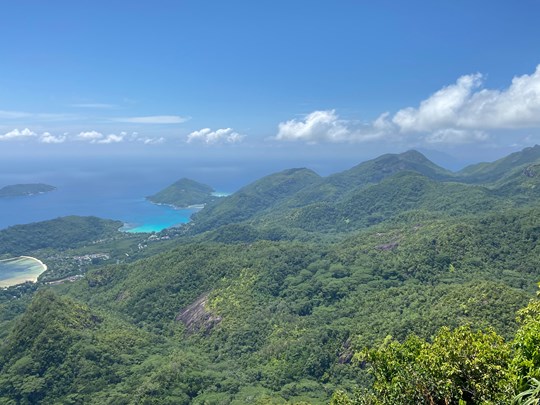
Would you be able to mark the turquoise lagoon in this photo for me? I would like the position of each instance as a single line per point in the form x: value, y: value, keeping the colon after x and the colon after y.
x: 154, y: 218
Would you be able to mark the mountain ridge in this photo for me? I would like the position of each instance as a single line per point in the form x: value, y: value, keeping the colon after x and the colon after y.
x: 331, y: 197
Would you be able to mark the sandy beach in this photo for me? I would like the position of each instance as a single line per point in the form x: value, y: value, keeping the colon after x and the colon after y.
x: 32, y: 274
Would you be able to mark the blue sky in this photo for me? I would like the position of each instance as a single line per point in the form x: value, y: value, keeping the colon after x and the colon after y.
x: 275, y: 79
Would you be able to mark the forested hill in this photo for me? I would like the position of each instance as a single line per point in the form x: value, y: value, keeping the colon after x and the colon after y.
x: 395, y: 282
x: 267, y: 322
x: 184, y: 193
x: 499, y: 169
x: 17, y: 190
x: 256, y: 198
x: 61, y: 233
x: 389, y: 186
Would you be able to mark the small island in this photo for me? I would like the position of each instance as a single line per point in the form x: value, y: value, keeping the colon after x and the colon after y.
x: 21, y: 190
x: 185, y: 193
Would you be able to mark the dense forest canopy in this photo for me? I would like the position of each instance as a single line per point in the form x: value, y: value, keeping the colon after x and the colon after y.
x: 396, y: 281
x: 184, y: 193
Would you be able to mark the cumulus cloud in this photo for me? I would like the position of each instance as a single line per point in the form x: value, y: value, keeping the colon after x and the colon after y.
x: 16, y: 134
x: 442, y: 109
x: 317, y: 126
x: 98, y: 137
x: 326, y: 125
x: 223, y: 135
x: 90, y: 136
x: 459, y: 113
x: 154, y: 119
x: 465, y: 105
x: 46, y: 137
x: 93, y: 137
x: 112, y: 138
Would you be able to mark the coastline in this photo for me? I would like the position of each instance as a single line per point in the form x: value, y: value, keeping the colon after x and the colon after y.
x: 176, y: 207
x: 180, y: 216
x: 216, y: 194
x: 20, y: 279
x: 43, y: 265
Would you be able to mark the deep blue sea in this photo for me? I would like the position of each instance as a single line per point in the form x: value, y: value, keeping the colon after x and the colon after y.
x: 98, y: 196
x: 114, y: 189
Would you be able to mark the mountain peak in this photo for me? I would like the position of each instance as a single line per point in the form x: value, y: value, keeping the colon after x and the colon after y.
x: 184, y: 193
x: 414, y: 155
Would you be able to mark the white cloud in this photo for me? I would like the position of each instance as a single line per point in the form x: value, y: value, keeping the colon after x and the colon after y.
x: 154, y: 119
x: 98, y: 137
x: 112, y: 138
x: 16, y: 134
x: 456, y: 136
x: 317, y: 126
x: 464, y: 105
x: 327, y: 126
x: 460, y: 113
x: 152, y: 141
x: 441, y: 110
x: 223, y: 135
x: 46, y: 137
x: 90, y: 136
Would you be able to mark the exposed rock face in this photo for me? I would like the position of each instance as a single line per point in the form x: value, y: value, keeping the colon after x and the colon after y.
x: 530, y: 171
x: 197, y: 318
x: 387, y: 246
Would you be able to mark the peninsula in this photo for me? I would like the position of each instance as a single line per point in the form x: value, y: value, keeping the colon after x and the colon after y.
x: 18, y: 190
x: 184, y: 193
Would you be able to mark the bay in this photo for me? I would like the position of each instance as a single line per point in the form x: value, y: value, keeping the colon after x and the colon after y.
x: 107, y: 189
x: 20, y: 269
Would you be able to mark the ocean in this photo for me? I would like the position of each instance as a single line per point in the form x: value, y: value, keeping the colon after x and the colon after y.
x: 112, y: 189
x: 115, y: 188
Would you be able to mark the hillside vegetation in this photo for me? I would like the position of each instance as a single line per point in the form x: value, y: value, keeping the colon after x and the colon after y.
x: 184, y: 193
x: 394, y: 282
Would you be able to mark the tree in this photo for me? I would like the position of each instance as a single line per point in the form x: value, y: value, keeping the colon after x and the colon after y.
x: 459, y: 365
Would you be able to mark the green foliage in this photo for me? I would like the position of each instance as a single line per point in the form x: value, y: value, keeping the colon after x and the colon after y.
x: 459, y: 365
x: 61, y: 233
x: 530, y: 396
x: 261, y: 195
x: 527, y: 353
x: 387, y: 188
x: 184, y: 193
x: 268, y: 295
x: 495, y: 171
